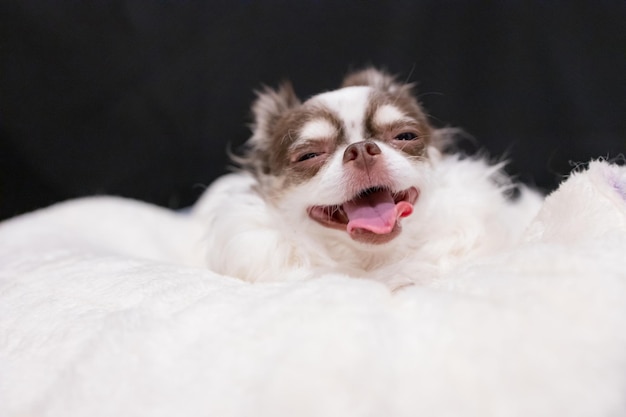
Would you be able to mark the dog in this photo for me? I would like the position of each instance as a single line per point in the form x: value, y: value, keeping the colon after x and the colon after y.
x: 356, y: 181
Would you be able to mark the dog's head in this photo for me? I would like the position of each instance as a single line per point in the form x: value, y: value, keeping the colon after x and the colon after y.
x: 347, y: 160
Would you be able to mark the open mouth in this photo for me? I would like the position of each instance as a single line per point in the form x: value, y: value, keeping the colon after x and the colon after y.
x: 372, y: 216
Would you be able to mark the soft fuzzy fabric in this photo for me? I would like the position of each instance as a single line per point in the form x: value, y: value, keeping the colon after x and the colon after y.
x: 107, y: 310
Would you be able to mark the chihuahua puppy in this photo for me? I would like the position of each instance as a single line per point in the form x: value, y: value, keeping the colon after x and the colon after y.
x: 355, y: 181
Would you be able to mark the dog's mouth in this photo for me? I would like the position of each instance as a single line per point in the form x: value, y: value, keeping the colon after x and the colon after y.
x: 372, y: 216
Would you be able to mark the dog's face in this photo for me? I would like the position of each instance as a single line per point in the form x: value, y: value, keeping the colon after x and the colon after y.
x: 348, y: 160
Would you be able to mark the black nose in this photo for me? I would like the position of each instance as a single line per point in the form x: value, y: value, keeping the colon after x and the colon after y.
x: 361, y: 154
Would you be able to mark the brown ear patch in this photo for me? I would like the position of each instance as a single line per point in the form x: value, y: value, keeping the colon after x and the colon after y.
x: 269, y: 107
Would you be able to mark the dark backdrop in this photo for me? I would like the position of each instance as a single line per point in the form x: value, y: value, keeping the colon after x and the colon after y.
x: 141, y: 98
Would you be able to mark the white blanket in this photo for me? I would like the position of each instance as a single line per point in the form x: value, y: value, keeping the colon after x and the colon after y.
x: 106, y: 310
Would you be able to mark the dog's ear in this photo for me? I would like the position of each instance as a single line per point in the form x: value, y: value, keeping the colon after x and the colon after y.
x: 269, y: 106
x: 376, y: 79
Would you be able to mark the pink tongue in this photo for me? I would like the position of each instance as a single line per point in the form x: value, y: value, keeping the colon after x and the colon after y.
x: 376, y: 212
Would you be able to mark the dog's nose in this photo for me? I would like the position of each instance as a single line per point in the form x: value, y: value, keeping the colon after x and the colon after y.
x: 362, y: 154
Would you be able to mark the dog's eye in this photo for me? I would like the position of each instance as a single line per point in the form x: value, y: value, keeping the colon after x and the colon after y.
x: 406, y: 136
x: 306, y: 156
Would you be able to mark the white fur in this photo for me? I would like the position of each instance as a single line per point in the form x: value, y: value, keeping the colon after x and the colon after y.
x: 317, y: 129
x: 388, y: 114
x: 459, y: 216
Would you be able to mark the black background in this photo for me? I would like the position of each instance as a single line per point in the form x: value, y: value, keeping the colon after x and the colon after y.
x: 141, y: 98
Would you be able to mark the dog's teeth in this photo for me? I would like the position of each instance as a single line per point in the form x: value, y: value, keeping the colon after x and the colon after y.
x: 370, y: 191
